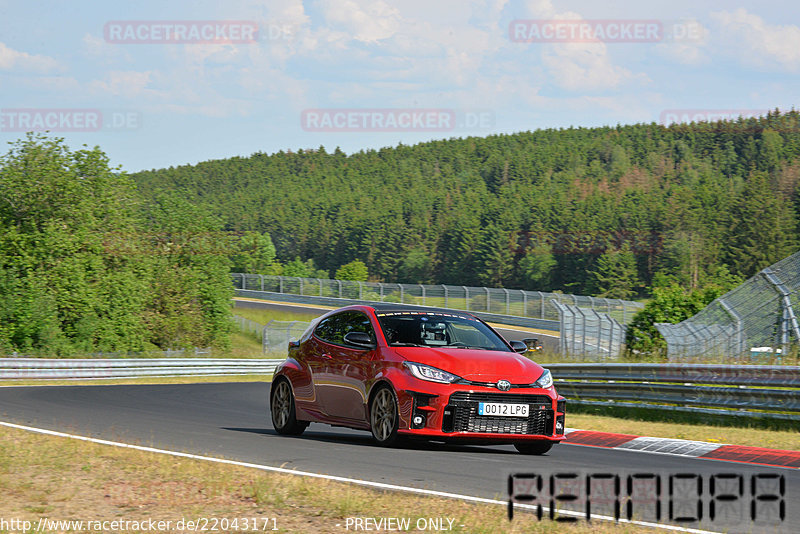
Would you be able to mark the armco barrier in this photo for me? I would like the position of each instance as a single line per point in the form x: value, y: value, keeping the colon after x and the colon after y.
x: 716, y: 389
x: 744, y: 390
x: 46, y: 368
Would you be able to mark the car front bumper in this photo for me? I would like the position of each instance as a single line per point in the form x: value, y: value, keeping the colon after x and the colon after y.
x: 450, y: 412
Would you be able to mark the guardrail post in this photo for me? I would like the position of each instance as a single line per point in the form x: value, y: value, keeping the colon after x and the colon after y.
x: 466, y: 297
x: 360, y: 291
x: 402, y: 294
x: 541, y: 299
x: 319, y: 281
x: 508, y: 302
x: 423, y: 294
x: 525, y: 303
x: 300, y: 280
x: 262, y: 281
x: 280, y: 286
x: 488, y: 300
x: 445, y: 295
x: 380, y: 285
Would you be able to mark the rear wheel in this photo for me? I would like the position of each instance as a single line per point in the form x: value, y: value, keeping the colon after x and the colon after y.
x: 383, y: 417
x: 533, y: 447
x: 282, y: 408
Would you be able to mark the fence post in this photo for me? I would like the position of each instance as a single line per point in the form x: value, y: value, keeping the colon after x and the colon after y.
x: 380, y: 285
x: 300, y: 280
x: 402, y: 294
x: 423, y: 294
x: 360, y: 291
x: 583, y: 330
x: 524, y: 303
x: 445, y: 295
x: 508, y: 302
x: 319, y: 281
x: 488, y: 300
x: 541, y: 299
x: 281, y: 284
x: 466, y: 297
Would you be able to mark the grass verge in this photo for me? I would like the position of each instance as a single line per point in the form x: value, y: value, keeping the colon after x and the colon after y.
x: 65, y: 479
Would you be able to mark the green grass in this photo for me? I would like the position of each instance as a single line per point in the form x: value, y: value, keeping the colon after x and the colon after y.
x: 264, y: 316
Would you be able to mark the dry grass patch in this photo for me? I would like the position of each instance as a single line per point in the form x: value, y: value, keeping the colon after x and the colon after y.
x: 64, y: 479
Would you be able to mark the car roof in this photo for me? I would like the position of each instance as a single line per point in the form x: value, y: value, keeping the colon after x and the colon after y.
x: 385, y: 307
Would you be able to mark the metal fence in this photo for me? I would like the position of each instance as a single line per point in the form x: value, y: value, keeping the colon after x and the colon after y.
x: 277, y: 335
x: 249, y: 326
x: 741, y: 390
x: 756, y: 318
x: 534, y: 304
x: 585, y: 332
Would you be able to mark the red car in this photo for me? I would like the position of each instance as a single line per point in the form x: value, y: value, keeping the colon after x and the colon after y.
x: 402, y: 371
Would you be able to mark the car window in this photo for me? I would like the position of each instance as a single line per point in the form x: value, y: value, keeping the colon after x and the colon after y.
x: 438, y: 330
x: 333, y: 329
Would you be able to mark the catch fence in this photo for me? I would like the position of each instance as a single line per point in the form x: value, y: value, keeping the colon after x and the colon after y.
x: 756, y: 319
x: 512, y: 302
x: 586, y: 332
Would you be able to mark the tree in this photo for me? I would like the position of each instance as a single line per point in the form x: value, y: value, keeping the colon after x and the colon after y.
x: 615, y: 274
x: 303, y: 269
x: 536, y: 268
x: 85, y: 266
x: 672, y: 304
x: 356, y: 271
x: 255, y: 254
x: 761, y: 228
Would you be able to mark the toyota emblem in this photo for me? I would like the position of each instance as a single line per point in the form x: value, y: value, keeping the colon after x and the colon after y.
x: 503, y: 385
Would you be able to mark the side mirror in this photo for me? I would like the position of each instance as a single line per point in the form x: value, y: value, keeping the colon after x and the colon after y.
x: 359, y: 339
x: 518, y: 346
x: 294, y: 344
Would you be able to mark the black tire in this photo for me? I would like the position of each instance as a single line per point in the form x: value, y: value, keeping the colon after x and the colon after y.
x: 533, y: 447
x: 281, y: 406
x: 384, y: 418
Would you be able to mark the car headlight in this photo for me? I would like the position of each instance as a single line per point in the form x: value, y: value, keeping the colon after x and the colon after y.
x: 545, y: 381
x: 432, y: 374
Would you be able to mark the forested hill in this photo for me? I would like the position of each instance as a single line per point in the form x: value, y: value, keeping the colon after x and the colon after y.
x: 586, y: 210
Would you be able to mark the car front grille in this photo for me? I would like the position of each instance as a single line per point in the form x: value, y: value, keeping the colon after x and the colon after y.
x: 461, y: 415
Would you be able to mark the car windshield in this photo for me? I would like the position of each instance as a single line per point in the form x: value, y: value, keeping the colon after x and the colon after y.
x: 436, y: 329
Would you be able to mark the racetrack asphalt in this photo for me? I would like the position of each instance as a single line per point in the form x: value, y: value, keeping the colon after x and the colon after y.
x: 231, y: 420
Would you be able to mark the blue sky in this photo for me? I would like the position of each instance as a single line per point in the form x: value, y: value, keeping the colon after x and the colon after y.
x: 168, y: 104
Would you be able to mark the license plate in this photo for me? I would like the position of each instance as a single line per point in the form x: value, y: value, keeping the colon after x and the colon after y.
x: 502, y: 409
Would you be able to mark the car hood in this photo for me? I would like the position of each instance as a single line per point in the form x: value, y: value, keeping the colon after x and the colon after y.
x: 478, y: 365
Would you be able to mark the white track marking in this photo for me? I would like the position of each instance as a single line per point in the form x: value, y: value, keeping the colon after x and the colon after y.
x: 355, y: 481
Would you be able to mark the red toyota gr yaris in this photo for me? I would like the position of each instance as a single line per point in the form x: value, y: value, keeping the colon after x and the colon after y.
x: 402, y: 371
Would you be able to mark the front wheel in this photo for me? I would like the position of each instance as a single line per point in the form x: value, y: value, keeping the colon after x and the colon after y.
x: 281, y: 403
x: 383, y: 417
x: 533, y: 447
